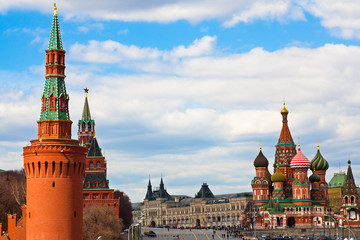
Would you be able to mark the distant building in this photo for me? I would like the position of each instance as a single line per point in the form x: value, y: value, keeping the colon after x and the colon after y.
x: 204, y: 210
x: 335, y: 190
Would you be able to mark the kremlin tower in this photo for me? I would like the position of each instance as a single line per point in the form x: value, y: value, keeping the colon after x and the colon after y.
x: 54, y: 163
x: 96, y: 190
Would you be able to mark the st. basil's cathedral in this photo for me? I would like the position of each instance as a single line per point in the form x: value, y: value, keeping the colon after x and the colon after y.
x: 291, y: 198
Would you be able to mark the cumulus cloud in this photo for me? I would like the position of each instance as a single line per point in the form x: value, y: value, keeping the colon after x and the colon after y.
x: 341, y: 17
x: 192, y: 106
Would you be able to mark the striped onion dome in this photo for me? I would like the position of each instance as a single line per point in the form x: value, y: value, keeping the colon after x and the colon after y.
x: 278, y: 176
x: 319, y: 162
x: 300, y: 161
x: 260, y: 160
x: 314, y: 177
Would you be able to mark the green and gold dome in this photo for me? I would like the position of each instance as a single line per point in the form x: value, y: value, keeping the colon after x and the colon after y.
x: 319, y: 162
x: 278, y: 176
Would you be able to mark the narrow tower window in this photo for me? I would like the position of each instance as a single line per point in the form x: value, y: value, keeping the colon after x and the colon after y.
x: 53, y: 184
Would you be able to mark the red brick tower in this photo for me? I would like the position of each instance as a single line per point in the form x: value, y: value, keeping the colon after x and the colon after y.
x: 54, y: 163
x: 285, y: 151
x: 96, y: 190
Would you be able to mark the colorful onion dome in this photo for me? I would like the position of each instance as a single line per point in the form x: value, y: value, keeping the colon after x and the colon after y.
x: 299, y: 160
x: 314, y: 177
x: 278, y: 176
x: 319, y: 162
x: 260, y: 160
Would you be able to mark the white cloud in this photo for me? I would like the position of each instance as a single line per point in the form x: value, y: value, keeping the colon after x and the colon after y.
x: 341, y: 17
x: 194, y: 106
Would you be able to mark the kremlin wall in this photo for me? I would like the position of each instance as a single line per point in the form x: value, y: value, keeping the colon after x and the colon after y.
x: 64, y: 175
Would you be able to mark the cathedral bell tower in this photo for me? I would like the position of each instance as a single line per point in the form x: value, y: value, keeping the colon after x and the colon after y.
x: 54, y: 163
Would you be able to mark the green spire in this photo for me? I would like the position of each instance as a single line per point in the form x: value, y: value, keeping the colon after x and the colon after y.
x: 86, y: 117
x: 55, y: 36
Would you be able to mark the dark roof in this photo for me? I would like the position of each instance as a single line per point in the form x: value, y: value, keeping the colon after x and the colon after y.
x: 204, y: 192
x: 94, y: 150
x: 96, y: 177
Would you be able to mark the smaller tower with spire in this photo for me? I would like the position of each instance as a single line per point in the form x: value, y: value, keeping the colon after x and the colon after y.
x: 320, y: 165
x: 86, y: 125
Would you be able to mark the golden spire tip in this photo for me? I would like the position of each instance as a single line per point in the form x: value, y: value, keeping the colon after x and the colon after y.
x: 55, y: 9
x: 260, y: 145
x: 299, y: 142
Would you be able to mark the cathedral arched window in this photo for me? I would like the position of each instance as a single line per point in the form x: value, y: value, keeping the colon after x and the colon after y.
x: 98, y: 165
x: 346, y: 199
x: 91, y: 164
x: 352, y: 199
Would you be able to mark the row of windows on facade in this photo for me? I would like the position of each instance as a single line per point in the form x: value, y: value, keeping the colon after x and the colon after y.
x: 95, y: 184
x: 53, y: 168
x: 53, y: 58
x: 91, y: 164
x: 352, y: 199
x: 52, y: 103
x: 209, y: 219
x: 96, y: 196
x: 306, y: 209
x: 83, y: 125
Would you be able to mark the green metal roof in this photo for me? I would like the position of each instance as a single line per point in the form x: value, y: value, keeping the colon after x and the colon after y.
x: 54, y: 87
x: 338, y: 180
x: 94, y: 150
x: 55, y: 36
x: 204, y: 192
x: 86, y: 117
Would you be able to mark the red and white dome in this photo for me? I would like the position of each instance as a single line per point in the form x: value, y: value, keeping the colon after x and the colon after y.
x: 300, y: 161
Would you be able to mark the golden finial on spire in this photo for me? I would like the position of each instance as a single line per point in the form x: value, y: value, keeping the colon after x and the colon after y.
x: 55, y: 9
x: 318, y: 144
x: 284, y: 110
x: 260, y: 145
x: 299, y: 143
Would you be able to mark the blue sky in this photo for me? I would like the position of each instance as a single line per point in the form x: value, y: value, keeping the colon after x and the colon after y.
x: 187, y: 89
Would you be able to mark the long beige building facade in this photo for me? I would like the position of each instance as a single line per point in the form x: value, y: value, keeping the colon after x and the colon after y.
x: 161, y: 209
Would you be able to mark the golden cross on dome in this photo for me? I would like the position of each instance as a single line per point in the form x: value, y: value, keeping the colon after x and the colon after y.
x: 318, y: 146
x: 260, y: 144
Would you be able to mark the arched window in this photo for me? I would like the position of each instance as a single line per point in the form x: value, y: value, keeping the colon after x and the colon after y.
x: 89, y: 126
x: 91, y: 165
x: 98, y: 165
x: 83, y: 125
x: 346, y: 199
x: 352, y: 199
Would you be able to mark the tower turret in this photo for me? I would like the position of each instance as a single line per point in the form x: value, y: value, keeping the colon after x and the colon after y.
x: 320, y: 165
x: 86, y: 125
x: 149, y: 193
x: 301, y: 187
x: 285, y: 151
x: 261, y: 182
x: 54, y: 163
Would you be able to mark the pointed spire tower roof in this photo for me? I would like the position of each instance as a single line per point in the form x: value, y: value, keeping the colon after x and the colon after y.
x: 86, y: 116
x: 94, y: 150
x: 349, y: 186
x: 55, y: 36
x: 285, y: 135
x: 149, y: 193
